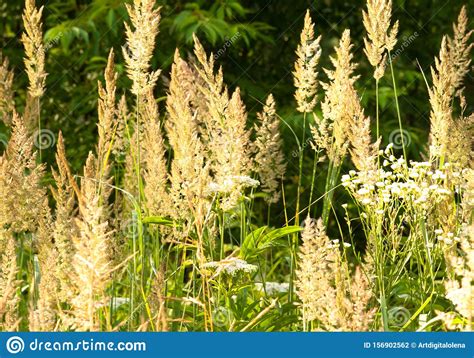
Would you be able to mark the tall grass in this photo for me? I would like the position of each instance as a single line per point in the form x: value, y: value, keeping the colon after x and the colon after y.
x: 167, y: 227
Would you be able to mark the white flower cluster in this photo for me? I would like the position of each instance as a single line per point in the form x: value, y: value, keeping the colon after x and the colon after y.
x: 230, y: 183
x: 272, y: 288
x: 447, y: 237
x: 460, y: 293
x: 416, y: 184
x: 119, y: 301
x: 230, y: 266
x: 335, y: 244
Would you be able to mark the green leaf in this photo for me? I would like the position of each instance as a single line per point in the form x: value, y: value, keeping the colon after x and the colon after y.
x: 260, y: 240
x: 111, y: 19
x: 250, y: 242
x: 159, y: 220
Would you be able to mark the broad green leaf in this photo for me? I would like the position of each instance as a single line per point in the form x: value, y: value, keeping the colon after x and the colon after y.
x: 158, y: 220
x: 260, y: 240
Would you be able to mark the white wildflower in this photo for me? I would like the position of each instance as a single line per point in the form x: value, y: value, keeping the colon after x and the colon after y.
x: 230, y: 266
x: 272, y: 288
x: 230, y: 183
x: 366, y: 201
x: 119, y: 301
x: 363, y: 191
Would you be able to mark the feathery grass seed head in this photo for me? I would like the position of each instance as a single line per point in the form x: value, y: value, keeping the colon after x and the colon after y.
x: 141, y: 37
x: 305, y: 75
x: 380, y: 37
x: 269, y: 159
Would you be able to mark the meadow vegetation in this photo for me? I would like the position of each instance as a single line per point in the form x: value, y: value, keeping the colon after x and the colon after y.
x: 169, y: 225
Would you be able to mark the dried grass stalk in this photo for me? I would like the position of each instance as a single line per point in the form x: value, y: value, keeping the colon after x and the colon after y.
x: 20, y: 177
x: 460, y: 147
x: 315, y: 273
x: 43, y: 311
x: 305, y: 75
x: 120, y: 145
x: 380, y: 37
x: 269, y: 160
x: 187, y: 167
x: 226, y: 138
x: 451, y: 66
x: 9, y: 284
x: 141, y: 36
x: 460, y: 49
x: 32, y: 39
x: 339, y: 110
x: 155, y: 171
x: 91, y: 260
x: 460, y: 261
x: 363, y: 152
x: 64, y: 227
x: 6, y: 91
x: 441, y: 94
x: 331, y: 299
x: 107, y: 113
